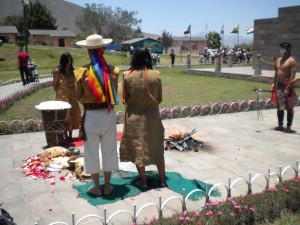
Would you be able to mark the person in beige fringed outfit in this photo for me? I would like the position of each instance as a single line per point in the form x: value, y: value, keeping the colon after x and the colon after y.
x: 65, y: 89
x: 142, y: 141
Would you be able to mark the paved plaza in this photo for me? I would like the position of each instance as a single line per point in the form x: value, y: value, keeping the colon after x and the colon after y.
x: 235, y: 145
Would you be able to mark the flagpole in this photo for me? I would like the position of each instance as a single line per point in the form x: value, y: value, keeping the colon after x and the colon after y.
x: 191, y: 41
x: 222, y: 36
x: 238, y: 36
x: 222, y: 41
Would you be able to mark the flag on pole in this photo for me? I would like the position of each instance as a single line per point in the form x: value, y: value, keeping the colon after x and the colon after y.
x: 222, y: 29
x: 188, y: 30
x: 235, y: 30
x: 250, y: 30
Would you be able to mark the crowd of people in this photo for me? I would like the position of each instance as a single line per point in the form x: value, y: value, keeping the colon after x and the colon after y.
x: 95, y: 86
x: 239, y: 55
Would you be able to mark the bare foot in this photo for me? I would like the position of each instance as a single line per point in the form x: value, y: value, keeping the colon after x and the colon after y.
x: 108, y: 190
x: 140, y: 184
x: 163, y: 184
x: 94, y: 191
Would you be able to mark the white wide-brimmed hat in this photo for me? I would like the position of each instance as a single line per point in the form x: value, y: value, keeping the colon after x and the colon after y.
x: 94, y: 41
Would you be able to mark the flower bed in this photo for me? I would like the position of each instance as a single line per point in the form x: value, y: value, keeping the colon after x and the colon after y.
x: 7, y: 101
x: 258, y: 208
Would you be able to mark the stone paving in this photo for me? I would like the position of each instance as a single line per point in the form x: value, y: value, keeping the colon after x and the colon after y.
x: 235, y: 145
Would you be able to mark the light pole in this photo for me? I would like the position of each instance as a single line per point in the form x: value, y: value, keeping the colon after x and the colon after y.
x: 25, y: 5
x: 180, y: 48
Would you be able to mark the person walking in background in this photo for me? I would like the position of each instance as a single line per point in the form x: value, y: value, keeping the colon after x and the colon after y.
x: 172, y: 55
x: 97, y: 86
x: 142, y: 141
x: 205, y: 55
x: 188, y: 61
x: 154, y: 58
x: 65, y: 89
x: 284, y: 94
x: 22, y: 65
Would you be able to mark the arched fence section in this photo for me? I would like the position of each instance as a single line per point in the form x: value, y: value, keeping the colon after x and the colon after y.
x: 36, y: 124
x: 182, y: 200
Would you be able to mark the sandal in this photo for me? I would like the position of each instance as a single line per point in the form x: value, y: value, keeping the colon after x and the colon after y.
x: 289, y: 130
x: 279, y: 128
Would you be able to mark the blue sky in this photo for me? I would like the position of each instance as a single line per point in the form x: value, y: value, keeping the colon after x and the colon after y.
x: 175, y: 16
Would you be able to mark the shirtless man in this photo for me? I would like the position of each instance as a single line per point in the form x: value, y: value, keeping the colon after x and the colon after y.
x: 283, y: 89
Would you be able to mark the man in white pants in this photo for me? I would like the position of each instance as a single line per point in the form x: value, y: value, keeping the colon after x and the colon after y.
x: 97, y: 91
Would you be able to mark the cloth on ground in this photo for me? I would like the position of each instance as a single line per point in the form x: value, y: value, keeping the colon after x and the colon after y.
x: 125, y: 187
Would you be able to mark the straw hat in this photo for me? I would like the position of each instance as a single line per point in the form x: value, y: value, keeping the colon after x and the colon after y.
x: 94, y: 41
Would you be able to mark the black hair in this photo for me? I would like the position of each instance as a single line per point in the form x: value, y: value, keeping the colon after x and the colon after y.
x: 141, y: 58
x: 64, y: 58
x: 286, y: 45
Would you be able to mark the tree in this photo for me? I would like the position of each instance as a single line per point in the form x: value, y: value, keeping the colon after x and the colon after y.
x: 39, y: 17
x: 151, y: 46
x: 117, y: 24
x: 12, y: 21
x: 166, y: 40
x: 213, y: 40
x: 246, y: 46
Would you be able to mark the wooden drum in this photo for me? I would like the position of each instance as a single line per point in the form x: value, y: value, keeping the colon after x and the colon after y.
x: 54, y: 115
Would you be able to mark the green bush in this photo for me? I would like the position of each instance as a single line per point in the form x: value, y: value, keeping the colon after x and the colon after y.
x: 20, y: 44
x: 259, y: 208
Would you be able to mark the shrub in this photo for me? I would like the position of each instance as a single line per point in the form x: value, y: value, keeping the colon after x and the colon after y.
x: 20, y: 44
x: 251, y: 209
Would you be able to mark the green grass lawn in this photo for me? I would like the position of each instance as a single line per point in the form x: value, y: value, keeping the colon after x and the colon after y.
x: 178, y: 89
x: 47, y: 58
x: 287, y: 219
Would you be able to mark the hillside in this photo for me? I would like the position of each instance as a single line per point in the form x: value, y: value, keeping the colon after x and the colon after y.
x: 64, y: 12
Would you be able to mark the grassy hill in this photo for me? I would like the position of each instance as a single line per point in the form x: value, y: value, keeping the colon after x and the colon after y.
x: 47, y: 57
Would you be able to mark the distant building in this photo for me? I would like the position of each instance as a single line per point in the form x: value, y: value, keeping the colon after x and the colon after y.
x: 143, y: 42
x: 8, y: 34
x: 269, y: 33
x: 185, y: 43
x: 58, y: 38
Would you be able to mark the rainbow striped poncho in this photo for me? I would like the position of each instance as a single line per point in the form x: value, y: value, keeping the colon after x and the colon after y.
x: 101, y: 81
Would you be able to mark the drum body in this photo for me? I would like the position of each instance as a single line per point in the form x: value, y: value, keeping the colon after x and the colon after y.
x: 54, y: 122
x: 54, y: 114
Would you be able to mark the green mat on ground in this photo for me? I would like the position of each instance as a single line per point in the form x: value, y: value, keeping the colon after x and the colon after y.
x: 125, y: 187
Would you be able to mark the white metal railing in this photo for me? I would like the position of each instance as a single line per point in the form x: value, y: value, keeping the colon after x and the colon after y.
x: 134, y: 214
x: 36, y: 124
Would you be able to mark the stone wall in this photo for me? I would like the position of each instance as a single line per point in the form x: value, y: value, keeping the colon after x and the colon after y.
x: 269, y: 33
